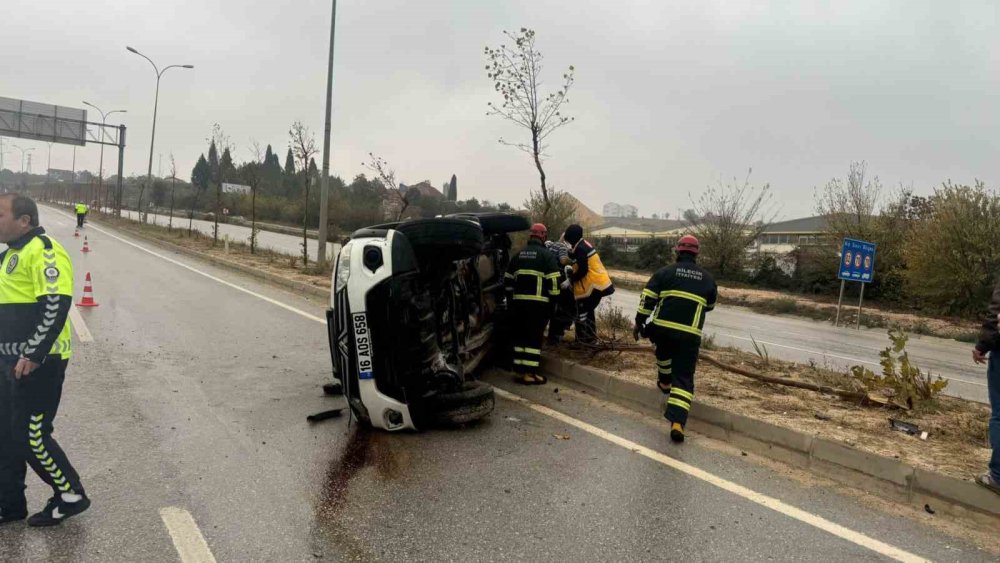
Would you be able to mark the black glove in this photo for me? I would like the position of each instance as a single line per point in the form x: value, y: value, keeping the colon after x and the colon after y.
x: 637, y: 331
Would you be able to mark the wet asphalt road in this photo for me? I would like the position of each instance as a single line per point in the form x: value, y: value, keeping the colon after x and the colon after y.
x: 194, y: 395
x: 788, y: 338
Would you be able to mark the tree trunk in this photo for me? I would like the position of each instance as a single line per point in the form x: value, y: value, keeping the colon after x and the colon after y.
x: 218, y: 210
x: 541, y: 172
x: 305, y: 220
x: 253, y: 220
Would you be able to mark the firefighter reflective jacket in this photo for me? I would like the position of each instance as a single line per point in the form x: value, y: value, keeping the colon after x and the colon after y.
x: 36, y: 293
x: 533, y: 275
x: 678, y: 296
x: 589, y: 273
x: 81, y: 208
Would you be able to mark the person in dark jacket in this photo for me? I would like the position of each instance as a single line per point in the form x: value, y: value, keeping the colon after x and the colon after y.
x: 564, y: 311
x: 674, y: 302
x: 589, y: 281
x: 532, y: 281
x: 989, y: 345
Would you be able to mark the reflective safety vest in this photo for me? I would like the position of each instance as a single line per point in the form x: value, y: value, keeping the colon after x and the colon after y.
x: 81, y: 208
x: 677, y: 297
x: 36, y: 292
x: 533, y: 275
x: 589, y: 273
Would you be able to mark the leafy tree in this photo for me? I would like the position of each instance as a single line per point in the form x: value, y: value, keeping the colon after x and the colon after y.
x: 516, y: 74
x: 953, y: 255
x: 201, y: 179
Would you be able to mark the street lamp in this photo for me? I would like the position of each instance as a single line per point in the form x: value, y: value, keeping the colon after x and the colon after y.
x: 100, y: 167
x: 156, y: 102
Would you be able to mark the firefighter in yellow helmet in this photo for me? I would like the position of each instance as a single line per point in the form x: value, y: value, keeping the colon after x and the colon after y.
x: 674, y: 302
x: 590, y: 283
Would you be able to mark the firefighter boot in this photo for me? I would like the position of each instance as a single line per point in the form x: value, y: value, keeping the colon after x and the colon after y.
x: 677, y: 432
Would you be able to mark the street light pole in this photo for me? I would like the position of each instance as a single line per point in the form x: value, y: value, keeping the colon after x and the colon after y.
x: 100, y: 166
x: 156, y: 103
x: 324, y: 182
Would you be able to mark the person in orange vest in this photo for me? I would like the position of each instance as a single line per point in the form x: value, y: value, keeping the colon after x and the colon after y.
x: 676, y: 300
x: 590, y: 283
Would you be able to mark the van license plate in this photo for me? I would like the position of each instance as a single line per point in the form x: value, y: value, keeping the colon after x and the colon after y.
x: 363, y: 346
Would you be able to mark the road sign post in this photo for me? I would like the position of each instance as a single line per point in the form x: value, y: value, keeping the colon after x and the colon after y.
x: 857, y: 263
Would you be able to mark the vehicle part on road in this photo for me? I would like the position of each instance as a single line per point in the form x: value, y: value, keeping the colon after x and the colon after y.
x: 325, y: 415
x: 415, y: 308
x: 334, y: 388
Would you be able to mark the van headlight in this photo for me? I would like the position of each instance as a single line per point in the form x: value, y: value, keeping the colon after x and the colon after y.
x: 343, y: 268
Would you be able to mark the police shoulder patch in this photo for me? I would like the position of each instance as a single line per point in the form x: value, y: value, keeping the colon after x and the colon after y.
x: 11, y: 264
x: 51, y: 274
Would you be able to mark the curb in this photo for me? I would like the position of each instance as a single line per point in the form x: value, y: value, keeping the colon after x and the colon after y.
x: 227, y: 264
x: 883, y: 476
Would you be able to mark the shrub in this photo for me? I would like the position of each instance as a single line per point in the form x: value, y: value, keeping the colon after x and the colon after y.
x: 903, y: 380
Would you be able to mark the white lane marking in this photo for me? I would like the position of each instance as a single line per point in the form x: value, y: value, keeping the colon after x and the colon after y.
x: 211, y: 277
x: 829, y: 355
x: 188, y: 541
x: 738, y: 490
x: 76, y: 319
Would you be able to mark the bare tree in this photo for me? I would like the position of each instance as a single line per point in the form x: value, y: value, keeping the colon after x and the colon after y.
x: 516, y: 73
x: 387, y: 177
x: 727, y: 219
x: 252, y: 171
x: 303, y: 144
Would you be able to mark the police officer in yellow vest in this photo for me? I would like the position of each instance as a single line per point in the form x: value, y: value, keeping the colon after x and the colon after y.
x: 81, y: 213
x: 590, y: 282
x: 676, y: 300
x: 36, y: 294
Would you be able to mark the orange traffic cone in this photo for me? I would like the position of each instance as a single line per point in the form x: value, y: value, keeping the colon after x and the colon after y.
x: 76, y: 232
x: 86, y: 245
x: 88, y: 294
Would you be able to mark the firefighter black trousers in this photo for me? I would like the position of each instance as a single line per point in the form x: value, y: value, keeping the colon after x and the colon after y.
x: 27, y: 408
x: 676, y: 359
x: 530, y: 318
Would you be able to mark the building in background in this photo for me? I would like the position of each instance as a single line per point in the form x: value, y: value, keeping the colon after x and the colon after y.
x: 620, y: 210
x: 786, y: 236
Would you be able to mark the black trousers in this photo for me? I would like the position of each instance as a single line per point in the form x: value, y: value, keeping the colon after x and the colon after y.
x: 530, y: 318
x: 676, y: 360
x: 563, y: 315
x: 586, y: 318
x: 27, y: 409
x: 79, y: 219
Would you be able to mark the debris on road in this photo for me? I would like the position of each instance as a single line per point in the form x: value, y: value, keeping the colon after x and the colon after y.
x: 320, y: 416
x: 908, y: 428
x: 561, y: 437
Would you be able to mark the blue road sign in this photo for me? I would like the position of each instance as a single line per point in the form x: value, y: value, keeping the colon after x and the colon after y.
x: 857, y: 261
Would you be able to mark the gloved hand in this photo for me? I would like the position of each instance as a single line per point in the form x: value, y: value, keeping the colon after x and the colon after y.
x: 637, y: 331
x: 564, y: 285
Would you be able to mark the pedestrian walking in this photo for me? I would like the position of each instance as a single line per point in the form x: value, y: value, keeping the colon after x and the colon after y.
x: 989, y: 347
x: 36, y: 294
x: 589, y: 281
x: 674, y: 302
x: 532, y: 281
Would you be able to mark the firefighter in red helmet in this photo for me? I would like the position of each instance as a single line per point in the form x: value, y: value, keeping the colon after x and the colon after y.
x: 532, y: 281
x: 674, y: 303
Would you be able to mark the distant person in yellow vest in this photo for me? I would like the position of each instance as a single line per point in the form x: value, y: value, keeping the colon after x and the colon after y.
x: 81, y: 214
x: 590, y: 282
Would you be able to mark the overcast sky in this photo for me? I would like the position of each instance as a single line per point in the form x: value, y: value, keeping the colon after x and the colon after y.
x: 670, y: 96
